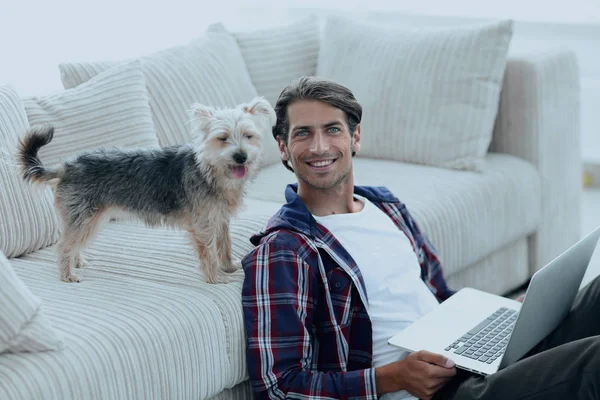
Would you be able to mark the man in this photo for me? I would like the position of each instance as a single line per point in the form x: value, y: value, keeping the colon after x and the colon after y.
x: 342, y: 268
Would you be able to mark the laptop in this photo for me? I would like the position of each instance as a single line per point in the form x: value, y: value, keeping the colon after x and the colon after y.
x: 484, y: 333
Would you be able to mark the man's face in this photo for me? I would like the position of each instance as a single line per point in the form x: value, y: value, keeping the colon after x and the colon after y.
x: 319, y: 146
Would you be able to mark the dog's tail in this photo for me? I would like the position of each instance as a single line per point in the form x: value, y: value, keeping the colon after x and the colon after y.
x: 31, y: 165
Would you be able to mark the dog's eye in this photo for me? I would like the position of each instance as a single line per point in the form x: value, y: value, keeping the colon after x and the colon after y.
x: 223, y: 139
x: 248, y: 136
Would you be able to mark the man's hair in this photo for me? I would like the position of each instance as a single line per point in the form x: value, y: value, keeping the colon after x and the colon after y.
x: 313, y: 88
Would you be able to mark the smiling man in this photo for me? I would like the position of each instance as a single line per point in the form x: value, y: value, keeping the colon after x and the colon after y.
x: 320, y: 145
x: 340, y: 269
x: 304, y: 296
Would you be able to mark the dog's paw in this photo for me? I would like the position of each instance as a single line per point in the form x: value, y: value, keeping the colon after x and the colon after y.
x: 220, y: 278
x: 71, y: 278
x: 80, y: 261
x: 210, y: 277
x: 234, y: 266
x: 223, y: 279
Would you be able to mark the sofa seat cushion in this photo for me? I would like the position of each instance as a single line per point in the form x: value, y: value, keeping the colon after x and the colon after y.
x: 467, y: 215
x: 141, y: 324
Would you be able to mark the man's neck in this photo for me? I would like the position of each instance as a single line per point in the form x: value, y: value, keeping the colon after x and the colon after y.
x: 338, y: 200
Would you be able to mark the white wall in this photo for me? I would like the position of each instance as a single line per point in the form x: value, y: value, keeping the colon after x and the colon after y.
x: 37, y: 35
x: 523, y: 10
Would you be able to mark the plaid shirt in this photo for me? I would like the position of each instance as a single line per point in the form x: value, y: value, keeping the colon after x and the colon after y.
x: 304, y: 300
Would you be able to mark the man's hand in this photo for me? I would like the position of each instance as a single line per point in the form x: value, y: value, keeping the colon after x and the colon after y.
x: 421, y: 373
x: 521, y: 298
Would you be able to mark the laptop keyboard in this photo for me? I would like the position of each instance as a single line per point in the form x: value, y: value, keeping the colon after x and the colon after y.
x: 487, y: 341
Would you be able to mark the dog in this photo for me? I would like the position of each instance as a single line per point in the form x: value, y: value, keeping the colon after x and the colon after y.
x: 198, y: 186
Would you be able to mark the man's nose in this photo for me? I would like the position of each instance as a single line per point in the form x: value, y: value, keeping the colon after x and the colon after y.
x: 319, y: 144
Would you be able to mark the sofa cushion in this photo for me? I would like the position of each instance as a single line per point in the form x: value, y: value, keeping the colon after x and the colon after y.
x: 209, y: 70
x: 27, y: 218
x: 142, y: 323
x: 429, y: 96
x: 275, y: 56
x: 467, y: 215
x: 24, y: 326
x: 109, y: 110
x: 73, y: 74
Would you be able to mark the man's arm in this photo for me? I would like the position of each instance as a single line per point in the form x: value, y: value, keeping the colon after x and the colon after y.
x: 279, y: 297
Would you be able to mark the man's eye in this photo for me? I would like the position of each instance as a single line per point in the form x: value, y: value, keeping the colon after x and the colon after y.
x: 333, y: 129
x: 301, y: 133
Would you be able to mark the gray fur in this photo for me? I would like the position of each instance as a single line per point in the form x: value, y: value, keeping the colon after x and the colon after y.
x: 190, y: 187
x: 166, y: 183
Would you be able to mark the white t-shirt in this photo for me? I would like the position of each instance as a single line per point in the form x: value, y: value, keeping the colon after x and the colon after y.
x: 397, y: 295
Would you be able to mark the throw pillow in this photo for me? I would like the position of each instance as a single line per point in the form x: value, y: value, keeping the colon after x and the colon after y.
x: 110, y: 110
x: 74, y: 74
x: 429, y: 96
x: 276, y: 56
x: 209, y: 70
x: 27, y: 218
x: 23, y: 323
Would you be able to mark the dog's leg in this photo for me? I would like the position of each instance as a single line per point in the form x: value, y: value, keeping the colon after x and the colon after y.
x: 66, y: 243
x: 76, y: 234
x: 66, y: 258
x: 224, y: 249
x: 204, y: 241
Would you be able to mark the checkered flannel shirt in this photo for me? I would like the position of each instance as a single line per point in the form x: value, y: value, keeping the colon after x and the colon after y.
x: 305, y: 305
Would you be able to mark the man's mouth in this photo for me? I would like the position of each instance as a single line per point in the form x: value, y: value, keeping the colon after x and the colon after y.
x: 321, y: 163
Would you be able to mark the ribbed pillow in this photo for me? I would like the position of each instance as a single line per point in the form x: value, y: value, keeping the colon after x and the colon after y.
x: 27, y: 218
x: 74, y: 74
x: 23, y: 324
x: 210, y: 70
x: 430, y: 96
x: 276, y: 56
x: 110, y: 110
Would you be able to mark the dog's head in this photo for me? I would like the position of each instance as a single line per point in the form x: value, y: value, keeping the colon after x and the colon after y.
x: 229, y: 142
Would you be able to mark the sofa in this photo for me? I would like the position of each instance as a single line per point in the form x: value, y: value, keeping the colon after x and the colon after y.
x: 480, y: 141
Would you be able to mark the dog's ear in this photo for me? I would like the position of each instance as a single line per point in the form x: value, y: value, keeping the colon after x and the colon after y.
x: 199, y: 116
x: 198, y: 110
x: 260, y: 107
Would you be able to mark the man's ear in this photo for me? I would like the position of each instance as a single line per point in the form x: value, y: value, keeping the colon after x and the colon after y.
x: 282, y: 149
x: 356, y: 139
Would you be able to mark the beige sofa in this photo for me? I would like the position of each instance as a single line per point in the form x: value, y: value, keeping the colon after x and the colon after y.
x: 142, y: 324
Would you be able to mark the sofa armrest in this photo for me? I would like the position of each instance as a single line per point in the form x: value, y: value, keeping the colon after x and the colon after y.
x: 539, y: 120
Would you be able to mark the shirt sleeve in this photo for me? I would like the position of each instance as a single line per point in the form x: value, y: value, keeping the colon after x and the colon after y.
x: 278, y: 297
x: 428, y: 258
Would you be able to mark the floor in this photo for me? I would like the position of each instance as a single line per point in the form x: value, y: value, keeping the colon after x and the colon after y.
x: 590, y: 219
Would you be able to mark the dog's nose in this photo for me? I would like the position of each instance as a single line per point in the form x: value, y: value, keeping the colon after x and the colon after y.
x: 240, y: 157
